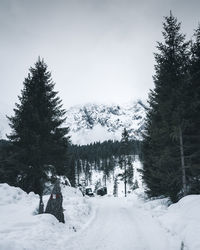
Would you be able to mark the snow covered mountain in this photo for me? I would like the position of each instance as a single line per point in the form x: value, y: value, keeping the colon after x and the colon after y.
x: 99, y: 122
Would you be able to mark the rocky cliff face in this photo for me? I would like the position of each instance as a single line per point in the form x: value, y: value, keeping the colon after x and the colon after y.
x: 99, y: 122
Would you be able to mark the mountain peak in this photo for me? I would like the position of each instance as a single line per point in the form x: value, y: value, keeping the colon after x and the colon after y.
x: 98, y: 122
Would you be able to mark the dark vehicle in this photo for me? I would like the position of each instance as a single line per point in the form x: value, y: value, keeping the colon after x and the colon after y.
x: 102, y: 191
x: 88, y: 191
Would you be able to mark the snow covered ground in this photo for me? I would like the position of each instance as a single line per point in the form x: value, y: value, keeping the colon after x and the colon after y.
x: 21, y: 227
x: 183, y: 220
x: 99, y: 223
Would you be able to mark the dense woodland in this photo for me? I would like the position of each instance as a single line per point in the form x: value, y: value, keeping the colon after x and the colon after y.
x: 80, y: 160
x: 103, y: 157
x: 39, y: 143
x: 171, y: 148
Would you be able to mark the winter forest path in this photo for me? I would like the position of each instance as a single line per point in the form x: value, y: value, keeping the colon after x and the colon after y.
x: 121, y: 224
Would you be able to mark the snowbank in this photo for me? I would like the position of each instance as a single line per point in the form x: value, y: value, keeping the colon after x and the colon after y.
x: 181, y: 220
x: 21, y: 227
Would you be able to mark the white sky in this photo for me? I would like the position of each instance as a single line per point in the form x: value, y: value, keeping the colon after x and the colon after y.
x: 97, y: 50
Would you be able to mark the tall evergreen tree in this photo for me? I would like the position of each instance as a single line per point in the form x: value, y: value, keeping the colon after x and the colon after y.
x: 163, y: 154
x: 8, y: 171
x: 115, y: 188
x: 38, y: 137
x: 125, y: 162
x: 192, y: 131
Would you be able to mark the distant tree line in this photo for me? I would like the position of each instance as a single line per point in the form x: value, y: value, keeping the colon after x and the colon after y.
x: 171, y: 147
x: 100, y: 156
x: 96, y: 151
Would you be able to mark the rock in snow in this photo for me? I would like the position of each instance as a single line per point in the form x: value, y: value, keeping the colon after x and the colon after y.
x: 54, y: 204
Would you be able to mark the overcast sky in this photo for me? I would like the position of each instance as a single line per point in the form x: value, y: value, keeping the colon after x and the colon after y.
x: 97, y: 50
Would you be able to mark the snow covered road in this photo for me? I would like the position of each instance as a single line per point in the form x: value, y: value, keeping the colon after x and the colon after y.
x: 99, y: 223
x: 119, y: 224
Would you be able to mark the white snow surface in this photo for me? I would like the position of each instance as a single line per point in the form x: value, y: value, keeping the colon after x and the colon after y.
x: 22, y: 228
x: 99, y: 223
x: 183, y: 220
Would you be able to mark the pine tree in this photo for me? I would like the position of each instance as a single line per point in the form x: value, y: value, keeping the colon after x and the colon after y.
x: 124, y: 151
x: 8, y: 171
x: 192, y: 132
x: 106, y: 171
x: 130, y: 172
x: 37, y: 134
x: 164, y: 170
x: 78, y: 171
x: 115, y: 188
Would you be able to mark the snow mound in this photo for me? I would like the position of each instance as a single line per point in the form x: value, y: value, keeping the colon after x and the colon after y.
x: 180, y: 220
x: 183, y: 219
x: 77, y: 209
x: 10, y: 195
x: 22, y: 228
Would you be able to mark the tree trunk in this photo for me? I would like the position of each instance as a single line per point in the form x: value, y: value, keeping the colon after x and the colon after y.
x: 77, y: 172
x: 125, y: 179
x: 78, y: 178
x: 182, y: 162
x: 41, y: 206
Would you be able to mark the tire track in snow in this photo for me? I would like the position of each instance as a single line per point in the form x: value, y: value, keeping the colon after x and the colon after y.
x: 119, y: 225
